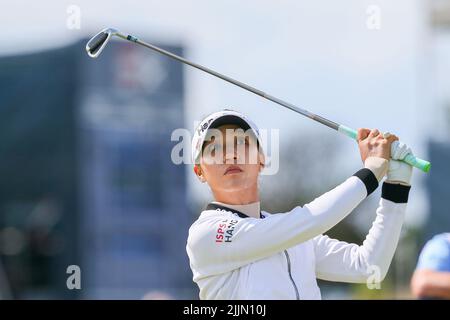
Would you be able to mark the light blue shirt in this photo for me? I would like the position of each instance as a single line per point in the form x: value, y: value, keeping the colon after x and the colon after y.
x: 436, y: 254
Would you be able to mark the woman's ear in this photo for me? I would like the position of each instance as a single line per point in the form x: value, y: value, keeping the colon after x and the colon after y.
x: 262, y: 161
x: 199, y: 173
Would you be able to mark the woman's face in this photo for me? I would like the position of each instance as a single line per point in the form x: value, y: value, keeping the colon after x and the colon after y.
x: 230, y: 160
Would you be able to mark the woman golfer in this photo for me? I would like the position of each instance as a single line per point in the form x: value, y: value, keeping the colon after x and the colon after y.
x: 237, y: 251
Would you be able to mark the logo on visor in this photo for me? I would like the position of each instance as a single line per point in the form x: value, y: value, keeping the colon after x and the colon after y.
x: 204, y: 126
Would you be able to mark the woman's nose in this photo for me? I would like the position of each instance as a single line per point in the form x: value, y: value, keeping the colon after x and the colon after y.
x: 231, y: 154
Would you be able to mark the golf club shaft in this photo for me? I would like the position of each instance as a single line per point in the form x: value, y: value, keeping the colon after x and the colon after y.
x: 260, y: 93
x: 410, y: 159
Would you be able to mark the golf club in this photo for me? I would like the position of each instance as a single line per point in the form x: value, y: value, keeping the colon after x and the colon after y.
x: 96, y: 45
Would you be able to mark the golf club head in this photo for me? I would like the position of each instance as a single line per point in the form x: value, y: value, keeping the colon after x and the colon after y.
x: 95, y: 46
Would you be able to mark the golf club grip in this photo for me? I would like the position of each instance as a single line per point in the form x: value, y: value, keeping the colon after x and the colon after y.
x: 410, y: 159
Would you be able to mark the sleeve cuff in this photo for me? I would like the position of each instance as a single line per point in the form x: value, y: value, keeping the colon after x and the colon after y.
x: 395, y: 192
x: 368, y: 178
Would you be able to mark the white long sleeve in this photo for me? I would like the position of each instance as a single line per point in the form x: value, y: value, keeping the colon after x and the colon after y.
x: 347, y: 262
x: 213, y: 251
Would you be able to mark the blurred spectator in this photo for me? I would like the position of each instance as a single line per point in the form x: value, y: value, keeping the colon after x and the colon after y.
x: 431, y: 280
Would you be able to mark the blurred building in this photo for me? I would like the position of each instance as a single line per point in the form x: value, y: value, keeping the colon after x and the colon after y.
x: 87, y: 177
x: 439, y: 150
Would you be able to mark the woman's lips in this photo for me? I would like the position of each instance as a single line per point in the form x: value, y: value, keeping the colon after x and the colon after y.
x: 232, y: 169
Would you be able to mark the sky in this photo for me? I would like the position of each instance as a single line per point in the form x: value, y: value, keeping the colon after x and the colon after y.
x: 319, y: 55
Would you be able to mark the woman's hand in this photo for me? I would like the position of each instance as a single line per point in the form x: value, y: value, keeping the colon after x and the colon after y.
x: 371, y: 143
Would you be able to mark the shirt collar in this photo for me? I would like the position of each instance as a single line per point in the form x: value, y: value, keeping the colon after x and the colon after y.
x: 240, y: 210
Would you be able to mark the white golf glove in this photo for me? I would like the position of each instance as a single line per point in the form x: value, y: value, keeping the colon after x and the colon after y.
x: 399, y: 171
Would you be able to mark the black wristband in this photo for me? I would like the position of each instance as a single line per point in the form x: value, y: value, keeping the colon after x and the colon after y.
x: 397, y: 193
x: 368, y: 178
